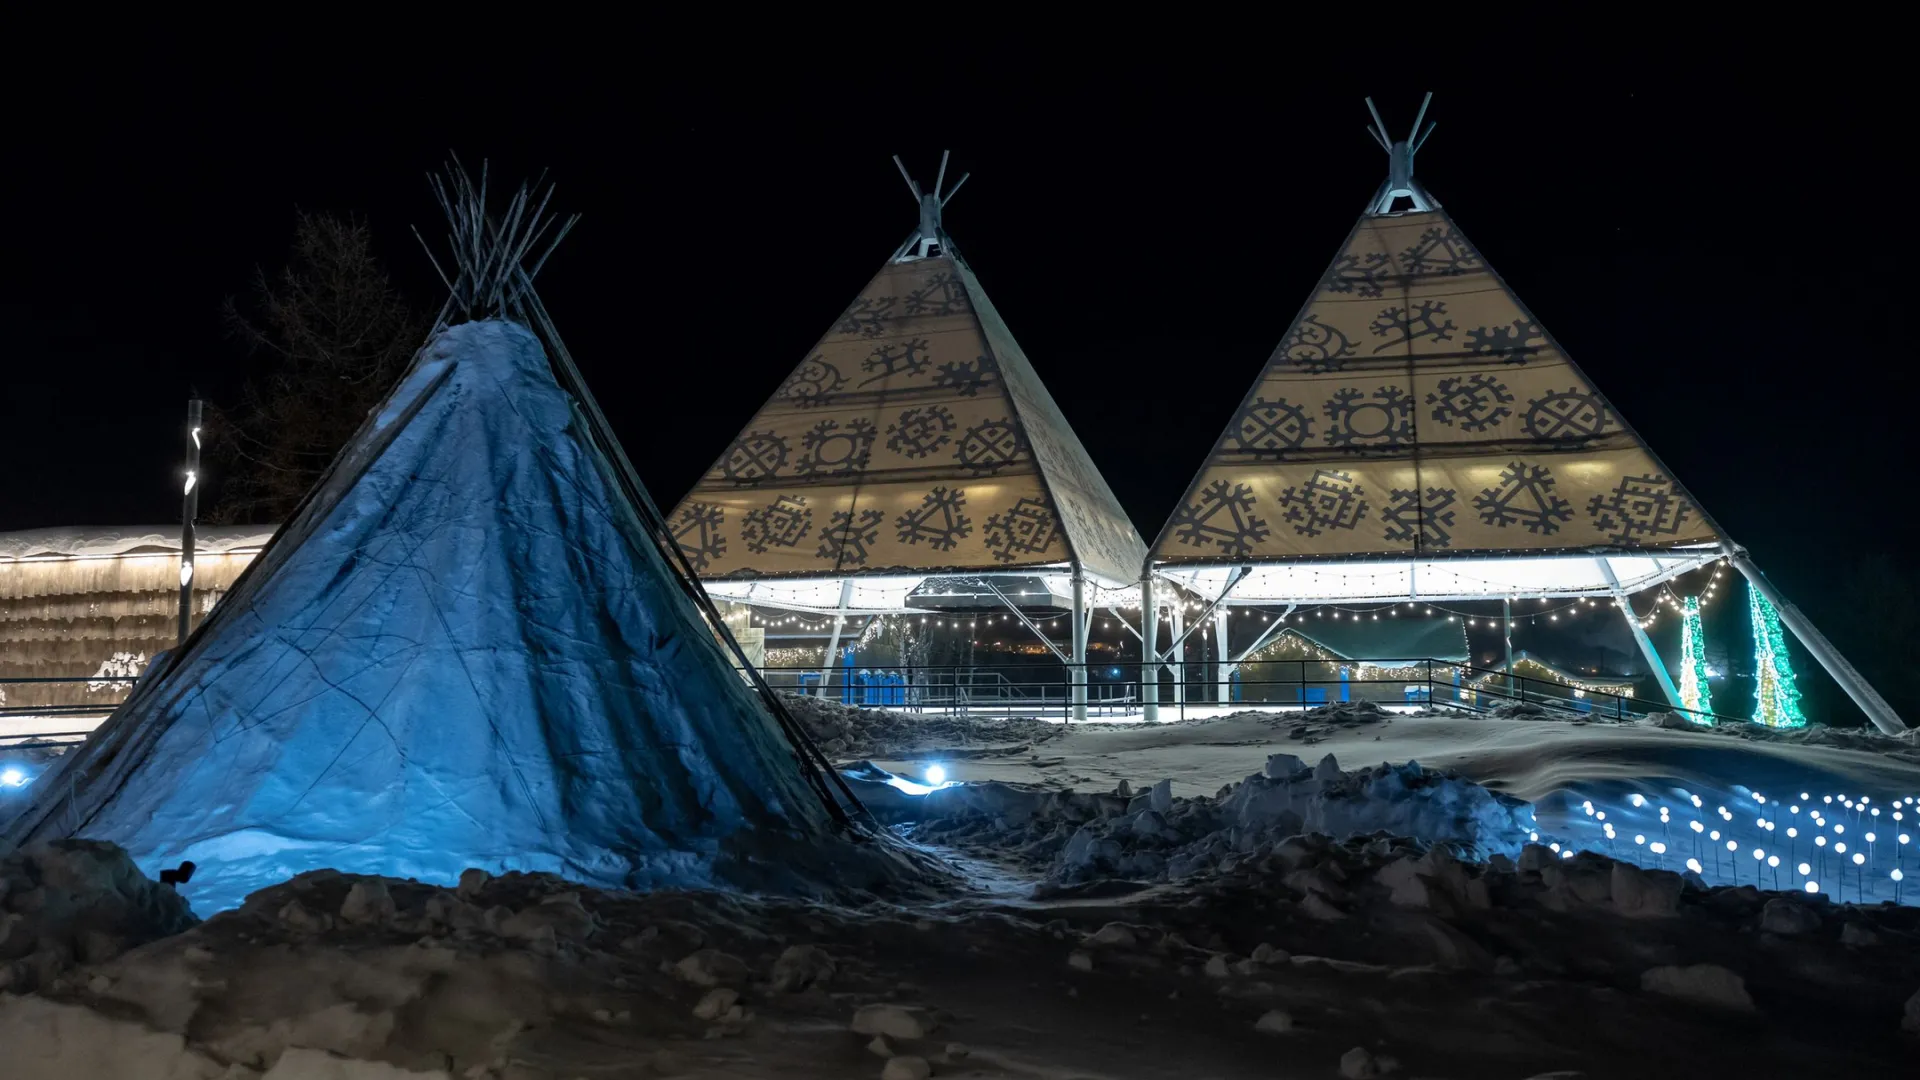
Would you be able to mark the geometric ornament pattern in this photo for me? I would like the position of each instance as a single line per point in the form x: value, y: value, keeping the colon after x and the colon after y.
x: 991, y: 445
x: 1568, y: 415
x: 696, y: 529
x: 1411, y: 519
x: 1223, y: 516
x: 1330, y: 499
x: 754, y: 456
x: 834, y: 449
x: 938, y: 520
x: 1475, y: 403
x: 848, y: 539
x: 1027, y: 528
x: 1356, y: 419
x: 1272, y: 425
x: 1640, y: 509
x: 1524, y: 496
x: 784, y: 522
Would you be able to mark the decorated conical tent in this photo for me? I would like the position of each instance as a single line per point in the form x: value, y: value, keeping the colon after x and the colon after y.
x: 915, y: 438
x: 1416, y: 408
x: 465, y: 649
x: 1418, y: 434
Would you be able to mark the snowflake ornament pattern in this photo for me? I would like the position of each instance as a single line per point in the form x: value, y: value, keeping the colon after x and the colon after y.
x: 941, y: 295
x: 938, y: 520
x: 1363, y: 276
x: 835, y: 450
x: 753, y: 457
x: 1568, y: 415
x: 848, y: 540
x: 908, y: 356
x: 1514, y: 343
x: 1641, y: 509
x: 1470, y: 404
x: 696, y: 528
x: 1330, y: 499
x: 867, y: 316
x: 965, y: 379
x: 1355, y: 419
x: 1317, y: 347
x: 1421, y: 522
x: 1440, y: 251
x: 921, y: 431
x: 784, y: 522
x: 1272, y: 426
x: 1524, y: 496
x: 811, y: 383
x: 1223, y: 515
x: 990, y: 446
x: 1027, y: 528
x: 1423, y: 323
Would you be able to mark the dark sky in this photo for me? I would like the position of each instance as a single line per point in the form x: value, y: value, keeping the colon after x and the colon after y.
x: 1718, y: 248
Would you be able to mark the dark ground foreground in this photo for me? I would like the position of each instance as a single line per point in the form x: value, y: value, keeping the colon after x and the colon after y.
x: 1303, y: 958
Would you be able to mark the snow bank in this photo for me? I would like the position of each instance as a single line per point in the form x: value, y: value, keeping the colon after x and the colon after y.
x: 1157, y: 836
x: 842, y: 731
x: 76, y: 901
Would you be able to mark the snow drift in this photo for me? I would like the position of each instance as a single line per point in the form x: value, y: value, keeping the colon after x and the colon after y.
x: 465, y: 653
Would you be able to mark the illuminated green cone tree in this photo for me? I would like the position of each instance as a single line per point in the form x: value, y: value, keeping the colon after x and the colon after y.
x: 1776, y: 694
x: 1694, y: 694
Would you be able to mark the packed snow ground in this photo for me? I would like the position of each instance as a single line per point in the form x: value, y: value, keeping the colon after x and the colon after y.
x: 1198, y: 927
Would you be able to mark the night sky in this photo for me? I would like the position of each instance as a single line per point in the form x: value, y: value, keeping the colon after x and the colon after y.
x: 1718, y: 250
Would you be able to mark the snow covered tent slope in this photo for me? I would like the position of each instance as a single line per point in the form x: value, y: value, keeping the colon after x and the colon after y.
x: 473, y: 656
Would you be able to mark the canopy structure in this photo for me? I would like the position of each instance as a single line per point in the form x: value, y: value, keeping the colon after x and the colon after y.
x: 914, y: 440
x: 472, y: 645
x: 1418, y: 434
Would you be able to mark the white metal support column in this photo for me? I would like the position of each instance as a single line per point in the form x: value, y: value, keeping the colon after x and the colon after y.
x: 1078, y: 671
x: 832, y: 659
x: 1816, y: 643
x: 1176, y: 662
x: 1222, y: 668
x: 1640, y: 637
x: 1149, y: 652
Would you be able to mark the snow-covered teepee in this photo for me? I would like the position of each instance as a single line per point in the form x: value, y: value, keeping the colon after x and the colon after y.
x: 474, y: 644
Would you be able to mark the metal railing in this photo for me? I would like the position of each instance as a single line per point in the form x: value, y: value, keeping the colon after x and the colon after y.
x: 1195, y: 689
x: 27, y: 702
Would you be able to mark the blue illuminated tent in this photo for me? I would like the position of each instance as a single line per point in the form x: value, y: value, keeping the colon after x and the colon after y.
x: 473, y: 645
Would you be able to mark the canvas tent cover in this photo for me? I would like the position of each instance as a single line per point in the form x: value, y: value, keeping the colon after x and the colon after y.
x: 467, y: 654
x: 915, y: 437
x: 1416, y: 408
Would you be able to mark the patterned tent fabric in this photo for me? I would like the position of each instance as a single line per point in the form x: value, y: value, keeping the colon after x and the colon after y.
x: 915, y: 437
x: 1415, y: 407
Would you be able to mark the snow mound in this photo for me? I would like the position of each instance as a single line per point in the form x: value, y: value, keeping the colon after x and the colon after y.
x: 1156, y: 836
x: 843, y: 732
x: 77, y: 901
